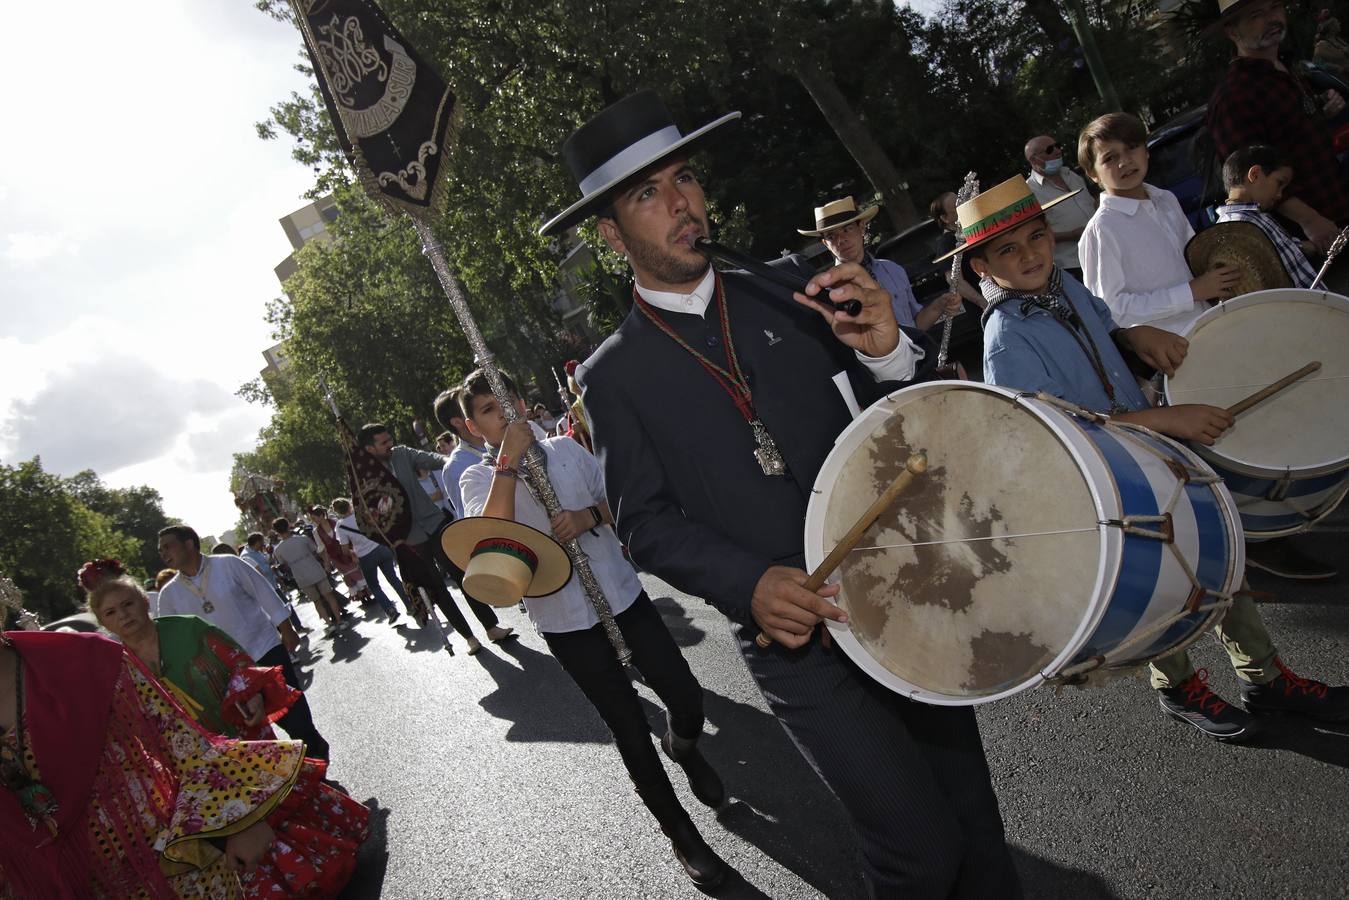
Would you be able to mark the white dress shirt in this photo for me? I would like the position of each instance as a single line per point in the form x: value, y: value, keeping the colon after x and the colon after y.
x: 1067, y: 216
x: 1133, y: 258
x: 576, y: 478
x: 897, y: 365
x: 241, y: 602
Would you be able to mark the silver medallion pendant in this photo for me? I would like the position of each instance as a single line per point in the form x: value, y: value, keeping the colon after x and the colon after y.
x: 767, y: 453
x: 208, y: 607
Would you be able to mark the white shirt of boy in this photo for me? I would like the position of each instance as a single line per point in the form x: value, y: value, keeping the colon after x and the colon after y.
x: 577, y: 480
x: 1133, y: 258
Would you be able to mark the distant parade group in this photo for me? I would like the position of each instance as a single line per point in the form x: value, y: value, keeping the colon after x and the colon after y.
x: 894, y: 534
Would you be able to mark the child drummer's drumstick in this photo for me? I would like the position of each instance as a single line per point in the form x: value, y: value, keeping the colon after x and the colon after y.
x: 916, y: 465
x: 1241, y: 406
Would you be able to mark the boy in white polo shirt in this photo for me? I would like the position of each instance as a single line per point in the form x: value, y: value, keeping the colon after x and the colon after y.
x: 572, y: 630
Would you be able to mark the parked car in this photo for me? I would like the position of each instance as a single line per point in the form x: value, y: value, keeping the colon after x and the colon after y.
x: 914, y: 248
x: 81, y: 621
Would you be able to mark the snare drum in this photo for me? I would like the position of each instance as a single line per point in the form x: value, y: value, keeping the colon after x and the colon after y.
x: 1041, y: 543
x: 1286, y: 461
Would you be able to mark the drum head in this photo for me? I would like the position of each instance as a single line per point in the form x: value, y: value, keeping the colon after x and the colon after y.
x: 1252, y: 341
x: 936, y: 599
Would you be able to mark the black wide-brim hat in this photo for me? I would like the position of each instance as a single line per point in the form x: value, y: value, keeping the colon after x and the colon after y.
x: 619, y: 142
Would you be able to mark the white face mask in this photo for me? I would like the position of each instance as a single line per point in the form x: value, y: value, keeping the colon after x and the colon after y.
x: 1053, y: 166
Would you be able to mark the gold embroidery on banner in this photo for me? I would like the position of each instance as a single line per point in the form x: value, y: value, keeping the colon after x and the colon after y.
x: 412, y: 179
x: 349, y: 61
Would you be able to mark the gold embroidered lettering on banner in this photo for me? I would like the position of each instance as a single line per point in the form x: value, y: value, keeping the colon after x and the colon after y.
x: 347, y: 58
x: 416, y: 188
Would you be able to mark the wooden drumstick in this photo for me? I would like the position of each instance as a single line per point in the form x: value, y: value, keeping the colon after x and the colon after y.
x: 1241, y: 406
x: 916, y: 465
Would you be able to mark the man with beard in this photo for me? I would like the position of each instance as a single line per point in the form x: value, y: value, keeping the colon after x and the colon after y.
x: 1261, y: 100
x: 750, y: 366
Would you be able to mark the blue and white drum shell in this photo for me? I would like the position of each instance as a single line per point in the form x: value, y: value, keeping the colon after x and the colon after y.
x: 1005, y: 564
x: 1286, y: 461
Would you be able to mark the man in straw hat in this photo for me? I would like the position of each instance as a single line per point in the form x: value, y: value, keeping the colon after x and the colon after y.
x: 1044, y: 331
x: 573, y: 632
x: 1261, y: 100
x: 750, y: 366
x: 843, y: 229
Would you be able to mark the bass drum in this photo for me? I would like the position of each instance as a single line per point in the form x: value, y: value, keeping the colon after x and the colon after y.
x: 1286, y: 461
x: 1041, y: 543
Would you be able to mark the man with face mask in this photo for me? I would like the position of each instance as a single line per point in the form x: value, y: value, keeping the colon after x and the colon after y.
x: 1049, y: 179
x: 1261, y: 99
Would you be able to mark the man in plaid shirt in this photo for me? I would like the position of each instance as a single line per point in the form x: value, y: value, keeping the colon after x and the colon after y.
x: 1260, y: 101
x: 1255, y: 178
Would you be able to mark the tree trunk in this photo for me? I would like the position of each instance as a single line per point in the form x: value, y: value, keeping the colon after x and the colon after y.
x: 1051, y: 20
x: 857, y: 138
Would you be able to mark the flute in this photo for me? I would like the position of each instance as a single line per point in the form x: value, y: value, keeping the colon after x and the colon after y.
x: 763, y: 270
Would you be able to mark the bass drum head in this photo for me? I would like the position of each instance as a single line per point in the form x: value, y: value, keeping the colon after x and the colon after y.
x: 940, y: 607
x: 1247, y: 343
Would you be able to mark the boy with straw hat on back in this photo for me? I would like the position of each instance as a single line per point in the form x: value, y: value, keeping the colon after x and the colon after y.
x: 1044, y: 331
x: 568, y: 623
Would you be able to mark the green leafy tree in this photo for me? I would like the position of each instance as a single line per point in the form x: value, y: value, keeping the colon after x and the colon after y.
x: 47, y: 533
x: 137, y: 512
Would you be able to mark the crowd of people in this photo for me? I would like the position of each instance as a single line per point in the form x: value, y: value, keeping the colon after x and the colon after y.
x: 174, y: 781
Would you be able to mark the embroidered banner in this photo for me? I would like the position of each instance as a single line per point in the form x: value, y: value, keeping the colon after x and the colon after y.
x: 392, y: 112
x: 383, y: 511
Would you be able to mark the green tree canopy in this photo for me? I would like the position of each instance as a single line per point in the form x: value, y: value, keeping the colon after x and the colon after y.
x: 47, y: 532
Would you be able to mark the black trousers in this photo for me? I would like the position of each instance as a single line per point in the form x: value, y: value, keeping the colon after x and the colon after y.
x: 417, y: 563
x: 589, y: 659
x: 298, y: 722
x: 913, y: 778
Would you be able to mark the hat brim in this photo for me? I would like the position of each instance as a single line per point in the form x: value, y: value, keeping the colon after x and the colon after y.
x: 970, y: 245
x: 554, y: 569
x: 1224, y: 18
x: 1247, y: 246
x: 865, y: 215
x: 688, y: 145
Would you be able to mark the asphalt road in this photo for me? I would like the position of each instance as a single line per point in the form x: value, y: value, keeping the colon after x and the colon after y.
x: 490, y: 776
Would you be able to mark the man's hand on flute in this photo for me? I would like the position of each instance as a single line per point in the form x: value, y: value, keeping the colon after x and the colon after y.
x: 872, y: 332
x: 786, y: 611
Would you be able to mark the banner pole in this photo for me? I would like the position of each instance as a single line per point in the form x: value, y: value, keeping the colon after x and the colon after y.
x: 536, y: 468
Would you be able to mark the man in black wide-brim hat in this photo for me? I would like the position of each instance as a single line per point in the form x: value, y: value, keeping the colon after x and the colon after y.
x: 712, y: 408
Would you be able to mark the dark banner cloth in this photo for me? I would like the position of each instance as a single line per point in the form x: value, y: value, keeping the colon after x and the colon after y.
x: 383, y: 510
x: 392, y: 112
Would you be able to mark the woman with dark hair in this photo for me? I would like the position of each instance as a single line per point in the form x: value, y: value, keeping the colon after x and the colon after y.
x: 341, y: 559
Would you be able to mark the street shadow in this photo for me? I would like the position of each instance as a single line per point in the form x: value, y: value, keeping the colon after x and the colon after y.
x: 372, y: 859
x: 679, y: 622
x: 418, y: 639
x: 1044, y: 879
x: 538, y: 698
x: 347, y: 645
x: 802, y: 828
x: 1322, y: 741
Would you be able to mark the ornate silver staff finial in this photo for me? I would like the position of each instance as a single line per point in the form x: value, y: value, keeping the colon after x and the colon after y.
x: 968, y: 191
x: 327, y: 393
x: 12, y: 598
x: 1336, y: 249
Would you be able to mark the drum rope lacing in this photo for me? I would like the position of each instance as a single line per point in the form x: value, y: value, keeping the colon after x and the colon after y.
x: 1134, y: 525
x: 1196, y: 604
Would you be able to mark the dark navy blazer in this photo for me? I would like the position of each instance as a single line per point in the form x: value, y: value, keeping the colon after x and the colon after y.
x: 688, y: 496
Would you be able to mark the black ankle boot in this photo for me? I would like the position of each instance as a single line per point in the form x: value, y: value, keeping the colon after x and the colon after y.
x: 703, y: 779
x: 700, y: 862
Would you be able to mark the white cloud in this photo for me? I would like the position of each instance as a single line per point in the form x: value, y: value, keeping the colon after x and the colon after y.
x: 129, y: 351
x: 26, y: 248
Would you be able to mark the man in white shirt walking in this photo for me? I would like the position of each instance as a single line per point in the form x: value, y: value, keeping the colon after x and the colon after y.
x: 230, y: 594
